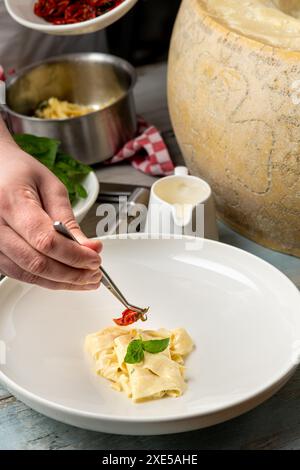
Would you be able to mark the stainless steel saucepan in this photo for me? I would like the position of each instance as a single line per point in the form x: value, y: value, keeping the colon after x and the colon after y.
x: 100, y: 81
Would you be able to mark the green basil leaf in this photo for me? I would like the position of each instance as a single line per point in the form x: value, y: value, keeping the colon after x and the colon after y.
x: 66, y: 168
x: 69, y: 184
x: 42, y: 148
x: 156, y: 346
x: 73, y: 198
x: 81, y: 191
x: 74, y: 167
x: 135, y: 352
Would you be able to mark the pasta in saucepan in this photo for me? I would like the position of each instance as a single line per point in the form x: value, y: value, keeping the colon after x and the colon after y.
x: 54, y: 108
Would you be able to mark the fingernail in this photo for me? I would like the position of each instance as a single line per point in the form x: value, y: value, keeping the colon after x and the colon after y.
x: 99, y: 248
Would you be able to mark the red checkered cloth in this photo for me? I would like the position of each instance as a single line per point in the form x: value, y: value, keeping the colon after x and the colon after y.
x: 147, y: 152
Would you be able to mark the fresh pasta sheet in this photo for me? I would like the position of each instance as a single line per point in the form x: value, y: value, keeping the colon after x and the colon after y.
x: 155, y: 376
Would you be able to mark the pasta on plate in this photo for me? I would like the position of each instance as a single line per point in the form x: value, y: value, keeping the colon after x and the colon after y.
x: 156, y: 376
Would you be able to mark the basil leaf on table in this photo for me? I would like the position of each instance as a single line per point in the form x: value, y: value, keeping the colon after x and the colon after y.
x: 66, y: 168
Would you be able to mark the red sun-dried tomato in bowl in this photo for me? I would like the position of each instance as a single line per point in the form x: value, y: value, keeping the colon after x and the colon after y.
x: 61, y: 12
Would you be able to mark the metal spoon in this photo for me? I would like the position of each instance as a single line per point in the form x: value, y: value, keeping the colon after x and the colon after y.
x: 106, y: 280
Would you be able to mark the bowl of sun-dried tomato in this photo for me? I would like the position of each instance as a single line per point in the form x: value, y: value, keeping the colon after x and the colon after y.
x: 67, y: 17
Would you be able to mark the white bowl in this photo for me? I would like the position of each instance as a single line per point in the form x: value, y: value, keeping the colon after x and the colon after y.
x: 82, y: 206
x: 242, y: 313
x: 22, y: 12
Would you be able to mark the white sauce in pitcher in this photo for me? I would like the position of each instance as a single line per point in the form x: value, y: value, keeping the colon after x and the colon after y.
x: 183, y: 194
x: 180, y: 191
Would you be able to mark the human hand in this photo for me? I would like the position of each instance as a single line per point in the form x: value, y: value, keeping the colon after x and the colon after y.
x: 31, y: 198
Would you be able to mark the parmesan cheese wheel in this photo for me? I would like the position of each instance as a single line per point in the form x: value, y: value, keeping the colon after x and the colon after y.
x: 234, y: 100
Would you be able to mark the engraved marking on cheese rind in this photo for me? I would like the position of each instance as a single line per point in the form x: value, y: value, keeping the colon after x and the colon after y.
x: 269, y: 161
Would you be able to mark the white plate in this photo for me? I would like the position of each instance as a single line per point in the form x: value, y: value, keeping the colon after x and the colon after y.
x: 82, y: 206
x: 22, y: 12
x: 242, y: 313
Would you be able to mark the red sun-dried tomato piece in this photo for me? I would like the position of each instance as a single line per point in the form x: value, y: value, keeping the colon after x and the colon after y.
x: 128, y: 318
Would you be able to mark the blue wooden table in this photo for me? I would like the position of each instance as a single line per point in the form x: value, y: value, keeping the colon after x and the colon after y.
x: 273, y: 425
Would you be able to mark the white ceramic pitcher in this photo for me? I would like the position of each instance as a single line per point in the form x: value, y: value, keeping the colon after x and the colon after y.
x: 183, y: 205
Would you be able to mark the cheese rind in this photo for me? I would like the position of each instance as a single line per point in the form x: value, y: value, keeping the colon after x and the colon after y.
x: 275, y: 22
x: 235, y: 108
